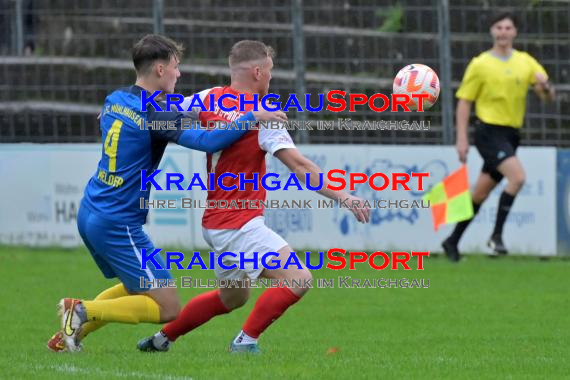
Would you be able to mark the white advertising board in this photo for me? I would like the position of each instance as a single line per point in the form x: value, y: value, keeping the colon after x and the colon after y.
x: 42, y: 186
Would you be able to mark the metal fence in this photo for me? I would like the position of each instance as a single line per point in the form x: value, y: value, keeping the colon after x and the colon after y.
x: 60, y: 58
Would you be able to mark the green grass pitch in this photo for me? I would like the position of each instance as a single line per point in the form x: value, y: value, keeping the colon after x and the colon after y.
x: 495, y: 319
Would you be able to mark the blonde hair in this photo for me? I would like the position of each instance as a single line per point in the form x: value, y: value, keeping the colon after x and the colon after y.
x: 248, y: 50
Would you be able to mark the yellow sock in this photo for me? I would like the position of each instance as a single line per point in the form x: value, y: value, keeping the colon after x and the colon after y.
x: 129, y: 309
x: 107, y: 294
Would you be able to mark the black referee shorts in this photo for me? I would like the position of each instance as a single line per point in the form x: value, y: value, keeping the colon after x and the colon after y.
x: 495, y: 144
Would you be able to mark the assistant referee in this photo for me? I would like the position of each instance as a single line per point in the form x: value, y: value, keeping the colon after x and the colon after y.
x: 497, y: 81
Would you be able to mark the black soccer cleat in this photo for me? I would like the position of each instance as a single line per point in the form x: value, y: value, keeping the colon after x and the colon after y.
x: 497, y: 246
x: 451, y: 250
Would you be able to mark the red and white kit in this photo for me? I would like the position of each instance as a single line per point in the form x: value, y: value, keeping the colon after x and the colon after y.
x: 239, y: 229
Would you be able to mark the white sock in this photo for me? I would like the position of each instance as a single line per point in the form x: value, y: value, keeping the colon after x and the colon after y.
x: 160, y: 340
x: 243, y: 338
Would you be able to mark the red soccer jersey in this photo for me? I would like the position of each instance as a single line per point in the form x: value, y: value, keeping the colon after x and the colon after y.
x: 246, y: 156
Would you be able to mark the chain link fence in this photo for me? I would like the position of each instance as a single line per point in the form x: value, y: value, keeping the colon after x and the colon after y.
x: 60, y: 58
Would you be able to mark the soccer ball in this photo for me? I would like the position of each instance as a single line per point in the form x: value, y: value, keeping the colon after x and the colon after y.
x: 417, y: 79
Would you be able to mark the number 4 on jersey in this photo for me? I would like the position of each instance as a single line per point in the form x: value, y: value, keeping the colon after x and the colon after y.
x: 112, y: 143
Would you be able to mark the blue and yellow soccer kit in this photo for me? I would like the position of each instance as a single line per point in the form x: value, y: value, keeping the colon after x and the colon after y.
x: 110, y: 218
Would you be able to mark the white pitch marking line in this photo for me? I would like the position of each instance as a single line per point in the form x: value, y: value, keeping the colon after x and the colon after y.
x: 68, y: 368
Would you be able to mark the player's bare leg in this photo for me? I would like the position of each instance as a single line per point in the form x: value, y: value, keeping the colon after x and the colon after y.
x: 168, y: 302
x: 513, y: 170
x: 483, y: 187
x: 234, y: 298
x: 272, y: 303
x: 197, y: 312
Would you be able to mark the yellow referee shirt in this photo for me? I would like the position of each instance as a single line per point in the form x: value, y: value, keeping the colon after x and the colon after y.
x: 499, y: 86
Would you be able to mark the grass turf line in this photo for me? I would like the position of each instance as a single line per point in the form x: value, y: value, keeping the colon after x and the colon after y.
x: 505, y: 318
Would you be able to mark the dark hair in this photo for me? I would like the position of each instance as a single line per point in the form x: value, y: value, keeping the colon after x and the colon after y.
x: 247, y: 50
x: 154, y: 47
x: 502, y: 16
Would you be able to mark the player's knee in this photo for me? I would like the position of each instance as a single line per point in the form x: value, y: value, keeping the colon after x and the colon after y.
x: 304, y: 283
x: 169, y: 310
x: 307, y: 278
x: 234, y: 300
x: 517, y: 181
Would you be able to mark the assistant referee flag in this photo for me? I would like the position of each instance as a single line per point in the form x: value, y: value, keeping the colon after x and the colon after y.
x: 450, y: 199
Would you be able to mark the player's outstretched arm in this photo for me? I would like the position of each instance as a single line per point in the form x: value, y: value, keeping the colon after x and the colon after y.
x: 214, y: 140
x: 211, y: 141
x: 299, y: 164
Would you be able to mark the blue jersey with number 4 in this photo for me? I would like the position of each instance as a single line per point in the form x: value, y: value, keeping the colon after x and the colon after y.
x: 114, y: 191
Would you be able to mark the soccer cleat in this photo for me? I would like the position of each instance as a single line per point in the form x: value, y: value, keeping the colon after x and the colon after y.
x: 56, y: 343
x: 251, y: 348
x: 451, y: 250
x: 155, y: 343
x: 497, y: 246
x: 71, y: 320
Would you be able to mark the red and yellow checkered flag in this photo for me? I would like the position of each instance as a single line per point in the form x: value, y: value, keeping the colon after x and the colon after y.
x: 450, y: 200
